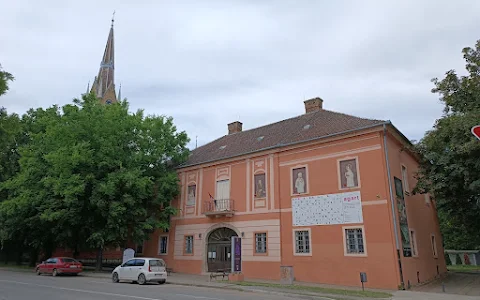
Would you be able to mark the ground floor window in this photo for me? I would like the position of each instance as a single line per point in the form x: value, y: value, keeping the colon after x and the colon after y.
x: 189, y: 244
x: 354, y: 241
x: 261, y: 242
x: 302, y: 241
x: 163, y: 245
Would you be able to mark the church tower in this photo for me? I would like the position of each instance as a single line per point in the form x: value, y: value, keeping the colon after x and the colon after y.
x: 104, y: 85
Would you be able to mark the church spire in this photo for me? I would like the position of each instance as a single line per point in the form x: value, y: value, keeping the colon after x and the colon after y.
x: 104, y: 85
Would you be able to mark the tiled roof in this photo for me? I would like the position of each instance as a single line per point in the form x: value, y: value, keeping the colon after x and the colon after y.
x: 305, y: 127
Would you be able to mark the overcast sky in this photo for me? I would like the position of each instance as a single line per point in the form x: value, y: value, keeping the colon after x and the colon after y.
x: 208, y: 63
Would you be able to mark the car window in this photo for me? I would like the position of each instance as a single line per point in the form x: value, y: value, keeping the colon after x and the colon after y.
x: 68, y: 260
x: 129, y: 263
x: 157, y: 263
x: 54, y: 260
x: 49, y: 261
x: 139, y: 262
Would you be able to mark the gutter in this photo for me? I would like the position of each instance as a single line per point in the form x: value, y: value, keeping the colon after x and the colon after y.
x: 288, y: 144
x: 392, y: 201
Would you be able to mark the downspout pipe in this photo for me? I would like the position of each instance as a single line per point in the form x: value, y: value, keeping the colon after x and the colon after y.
x: 392, y: 202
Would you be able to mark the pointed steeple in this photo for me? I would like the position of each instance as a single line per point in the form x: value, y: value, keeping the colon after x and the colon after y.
x: 104, y: 84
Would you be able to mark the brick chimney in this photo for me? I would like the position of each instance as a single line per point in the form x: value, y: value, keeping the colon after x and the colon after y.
x: 235, y: 127
x: 314, y: 104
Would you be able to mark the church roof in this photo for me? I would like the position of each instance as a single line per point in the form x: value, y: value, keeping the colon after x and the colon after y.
x: 105, y: 79
x: 303, y: 128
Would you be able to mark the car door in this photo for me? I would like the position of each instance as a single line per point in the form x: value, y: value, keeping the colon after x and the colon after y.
x: 54, y: 264
x: 124, y: 272
x: 49, y: 265
x: 137, y: 269
x: 43, y: 266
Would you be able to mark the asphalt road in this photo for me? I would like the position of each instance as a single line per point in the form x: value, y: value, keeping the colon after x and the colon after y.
x: 26, y: 285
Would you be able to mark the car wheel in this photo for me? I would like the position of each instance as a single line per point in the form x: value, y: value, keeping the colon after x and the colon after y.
x: 54, y: 273
x: 38, y: 271
x: 115, y: 277
x: 162, y: 282
x: 141, y: 279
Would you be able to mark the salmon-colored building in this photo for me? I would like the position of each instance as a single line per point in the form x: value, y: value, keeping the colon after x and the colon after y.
x: 325, y: 193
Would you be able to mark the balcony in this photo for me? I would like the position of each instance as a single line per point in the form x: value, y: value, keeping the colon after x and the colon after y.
x: 219, y: 208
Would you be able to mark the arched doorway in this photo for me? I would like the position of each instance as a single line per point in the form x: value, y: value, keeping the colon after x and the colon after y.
x: 219, y: 249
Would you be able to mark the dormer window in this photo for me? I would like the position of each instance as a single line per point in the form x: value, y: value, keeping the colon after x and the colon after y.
x: 223, y: 147
x: 260, y: 138
x: 306, y: 127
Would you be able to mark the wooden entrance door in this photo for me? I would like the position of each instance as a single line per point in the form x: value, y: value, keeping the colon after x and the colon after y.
x: 219, y: 250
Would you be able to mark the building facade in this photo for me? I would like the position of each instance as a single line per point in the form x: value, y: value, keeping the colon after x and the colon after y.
x: 324, y: 193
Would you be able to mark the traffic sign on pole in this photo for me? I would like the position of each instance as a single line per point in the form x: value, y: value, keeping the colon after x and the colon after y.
x: 476, y: 131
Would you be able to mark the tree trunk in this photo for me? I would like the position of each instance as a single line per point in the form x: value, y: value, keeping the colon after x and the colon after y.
x: 99, y: 263
x: 33, y: 257
x: 19, y: 254
x: 76, y: 252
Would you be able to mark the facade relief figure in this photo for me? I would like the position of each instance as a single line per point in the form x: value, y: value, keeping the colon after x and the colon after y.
x: 348, y: 174
x: 191, y: 195
x: 260, y: 187
x: 299, y: 182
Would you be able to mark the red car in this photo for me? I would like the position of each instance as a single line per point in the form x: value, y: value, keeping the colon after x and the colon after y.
x: 59, y: 265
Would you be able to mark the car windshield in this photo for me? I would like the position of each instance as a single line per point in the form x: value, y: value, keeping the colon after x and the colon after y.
x: 68, y: 260
x: 157, y: 263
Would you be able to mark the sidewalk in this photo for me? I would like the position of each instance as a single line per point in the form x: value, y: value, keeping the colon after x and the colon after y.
x: 302, y: 292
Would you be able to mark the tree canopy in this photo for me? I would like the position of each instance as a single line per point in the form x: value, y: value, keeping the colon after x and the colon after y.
x: 450, y: 168
x: 5, y: 77
x: 92, y: 175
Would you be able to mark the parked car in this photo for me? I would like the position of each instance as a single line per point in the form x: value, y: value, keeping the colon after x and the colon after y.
x: 59, y: 265
x: 141, y: 270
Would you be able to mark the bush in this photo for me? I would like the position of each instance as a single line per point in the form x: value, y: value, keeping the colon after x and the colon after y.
x: 447, y: 260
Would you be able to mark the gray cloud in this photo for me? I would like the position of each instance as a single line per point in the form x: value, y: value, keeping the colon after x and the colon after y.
x: 208, y: 63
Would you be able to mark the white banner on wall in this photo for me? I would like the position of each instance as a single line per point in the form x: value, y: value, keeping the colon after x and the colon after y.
x: 331, y: 209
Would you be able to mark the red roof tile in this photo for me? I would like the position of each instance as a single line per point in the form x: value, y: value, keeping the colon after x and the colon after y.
x: 299, y: 129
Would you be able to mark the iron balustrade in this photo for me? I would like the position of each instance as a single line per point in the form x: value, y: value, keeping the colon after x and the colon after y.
x: 221, y: 205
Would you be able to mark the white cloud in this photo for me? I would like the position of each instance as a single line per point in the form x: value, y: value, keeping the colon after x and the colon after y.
x: 208, y: 63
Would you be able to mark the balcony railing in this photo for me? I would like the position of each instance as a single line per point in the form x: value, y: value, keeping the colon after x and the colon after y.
x: 221, y: 207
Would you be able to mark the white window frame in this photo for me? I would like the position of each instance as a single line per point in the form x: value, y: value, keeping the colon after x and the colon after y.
x: 433, y: 242
x: 160, y: 245
x: 309, y: 231
x: 186, y: 244
x: 259, y: 243
x: 406, y: 185
x: 413, y: 242
x: 345, y: 246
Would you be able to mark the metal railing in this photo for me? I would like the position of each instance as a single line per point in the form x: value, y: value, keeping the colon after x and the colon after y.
x: 221, y: 205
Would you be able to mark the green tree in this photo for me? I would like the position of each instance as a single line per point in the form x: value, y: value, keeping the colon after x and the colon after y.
x: 21, y: 228
x: 5, y: 77
x: 98, y: 175
x: 450, y: 166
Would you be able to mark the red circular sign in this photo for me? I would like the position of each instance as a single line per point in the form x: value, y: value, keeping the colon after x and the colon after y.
x: 476, y: 131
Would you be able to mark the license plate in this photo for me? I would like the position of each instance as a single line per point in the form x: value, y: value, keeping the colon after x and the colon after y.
x: 73, y: 266
x: 157, y: 274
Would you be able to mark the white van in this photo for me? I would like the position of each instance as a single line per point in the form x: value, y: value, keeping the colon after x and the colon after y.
x: 141, y: 270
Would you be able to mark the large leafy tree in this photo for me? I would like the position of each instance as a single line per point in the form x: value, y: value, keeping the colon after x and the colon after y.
x: 5, y: 77
x: 450, y: 168
x: 98, y: 175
